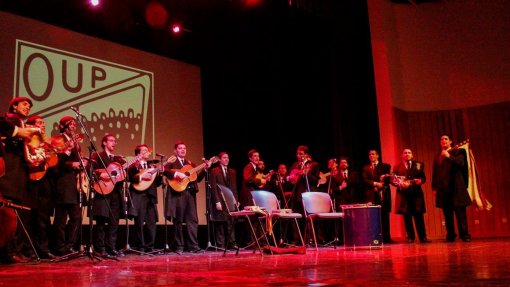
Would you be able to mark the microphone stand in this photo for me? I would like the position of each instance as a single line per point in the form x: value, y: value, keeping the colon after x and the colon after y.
x: 164, y: 187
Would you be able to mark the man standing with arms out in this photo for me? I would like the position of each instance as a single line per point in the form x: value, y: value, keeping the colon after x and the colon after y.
x: 449, y: 183
x: 410, y: 201
x: 376, y: 177
x: 223, y: 224
x: 107, y: 208
x: 181, y: 206
x: 144, y: 202
x: 13, y: 183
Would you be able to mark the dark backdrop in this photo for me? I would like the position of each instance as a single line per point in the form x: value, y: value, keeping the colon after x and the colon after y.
x: 274, y: 76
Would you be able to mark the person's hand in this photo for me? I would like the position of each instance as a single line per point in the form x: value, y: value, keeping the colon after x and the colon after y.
x: 179, y: 175
x: 218, y: 206
x: 417, y: 181
x: 146, y: 177
x: 27, y: 132
x: 343, y: 185
x: 445, y: 153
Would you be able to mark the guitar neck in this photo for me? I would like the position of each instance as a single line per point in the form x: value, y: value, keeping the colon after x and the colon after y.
x: 197, y: 168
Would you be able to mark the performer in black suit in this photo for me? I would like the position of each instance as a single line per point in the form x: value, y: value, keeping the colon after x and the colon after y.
x: 449, y: 183
x: 42, y: 190
x: 250, y: 180
x: 348, y: 185
x: 67, y: 198
x: 223, y: 224
x: 181, y: 206
x: 280, y: 186
x: 304, y: 175
x: 410, y: 201
x: 107, y: 208
x: 14, y: 184
x: 144, y: 201
x: 376, y: 177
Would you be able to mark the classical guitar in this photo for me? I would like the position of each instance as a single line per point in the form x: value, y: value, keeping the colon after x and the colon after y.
x: 153, y: 172
x: 264, y: 178
x: 191, y: 175
x: 115, y: 172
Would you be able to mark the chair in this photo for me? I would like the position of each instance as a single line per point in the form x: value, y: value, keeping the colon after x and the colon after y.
x: 319, y: 205
x: 269, y: 202
x: 233, y: 210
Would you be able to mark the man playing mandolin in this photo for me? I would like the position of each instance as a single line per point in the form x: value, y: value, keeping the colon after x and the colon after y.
x: 181, y: 205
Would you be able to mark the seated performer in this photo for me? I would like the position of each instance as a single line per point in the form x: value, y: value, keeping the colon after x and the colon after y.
x: 145, y: 179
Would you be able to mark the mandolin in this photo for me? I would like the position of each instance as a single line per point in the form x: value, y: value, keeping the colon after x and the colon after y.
x: 180, y: 185
x: 153, y: 172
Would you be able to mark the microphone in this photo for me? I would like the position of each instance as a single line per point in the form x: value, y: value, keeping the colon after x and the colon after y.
x: 13, y: 205
x: 76, y: 110
x: 160, y: 154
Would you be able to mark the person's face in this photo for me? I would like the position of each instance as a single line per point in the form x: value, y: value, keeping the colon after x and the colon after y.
x: 300, y: 155
x: 180, y: 150
x: 144, y: 152
x: 110, y: 143
x: 332, y: 164
x: 282, y: 169
x: 445, y: 142
x: 40, y: 123
x: 373, y: 156
x: 255, y: 157
x: 224, y: 159
x: 344, y: 164
x: 71, y: 128
x: 22, y: 108
x: 407, y: 154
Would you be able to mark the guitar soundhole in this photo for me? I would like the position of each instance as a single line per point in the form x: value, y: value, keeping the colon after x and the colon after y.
x: 114, y: 173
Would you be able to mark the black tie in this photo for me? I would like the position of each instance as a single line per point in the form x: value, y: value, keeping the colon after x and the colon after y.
x: 409, y: 165
x: 345, y: 175
x: 182, y: 162
x: 111, y: 157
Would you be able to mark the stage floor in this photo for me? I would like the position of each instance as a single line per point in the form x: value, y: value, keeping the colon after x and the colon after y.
x: 482, y: 262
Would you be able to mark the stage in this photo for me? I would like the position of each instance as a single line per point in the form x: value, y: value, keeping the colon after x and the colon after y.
x: 482, y: 262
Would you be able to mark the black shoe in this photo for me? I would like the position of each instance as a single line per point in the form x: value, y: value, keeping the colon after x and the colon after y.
x: 179, y: 251
x: 466, y: 239
x: 116, y: 253
x: 197, y: 251
x: 17, y: 259
x: 425, y: 240
x: 450, y: 239
x: 47, y: 255
x: 410, y: 240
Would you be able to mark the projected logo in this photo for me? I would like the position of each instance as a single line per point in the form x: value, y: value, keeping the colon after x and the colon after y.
x: 112, y: 98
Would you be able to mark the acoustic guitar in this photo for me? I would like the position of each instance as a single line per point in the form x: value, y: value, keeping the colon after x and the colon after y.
x: 143, y: 185
x: 105, y: 184
x: 180, y: 185
x: 264, y: 178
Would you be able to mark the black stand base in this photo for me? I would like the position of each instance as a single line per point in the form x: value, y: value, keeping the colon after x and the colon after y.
x: 86, y: 252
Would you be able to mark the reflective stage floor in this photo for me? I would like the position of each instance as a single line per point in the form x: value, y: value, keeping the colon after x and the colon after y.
x: 482, y: 262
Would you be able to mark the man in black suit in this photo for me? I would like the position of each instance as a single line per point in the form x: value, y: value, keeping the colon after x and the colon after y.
x: 181, y: 205
x: 67, y: 198
x: 107, y: 206
x: 14, y: 175
x: 223, y: 224
x: 410, y: 201
x: 144, y: 201
x: 347, y: 182
x: 449, y: 183
x: 376, y: 178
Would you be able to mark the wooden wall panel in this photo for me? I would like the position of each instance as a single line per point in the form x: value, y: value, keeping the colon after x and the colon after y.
x: 488, y: 129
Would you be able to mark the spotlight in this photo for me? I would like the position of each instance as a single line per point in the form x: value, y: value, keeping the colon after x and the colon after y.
x: 177, y: 28
x: 94, y: 2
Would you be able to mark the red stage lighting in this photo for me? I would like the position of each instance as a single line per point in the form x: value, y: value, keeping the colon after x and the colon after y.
x: 94, y: 2
x: 176, y: 28
x: 156, y: 15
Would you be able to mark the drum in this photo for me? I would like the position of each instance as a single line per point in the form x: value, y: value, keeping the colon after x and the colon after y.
x: 362, y: 226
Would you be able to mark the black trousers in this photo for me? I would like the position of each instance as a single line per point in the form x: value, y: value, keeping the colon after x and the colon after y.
x: 419, y: 222
x: 66, y: 225
x: 462, y: 225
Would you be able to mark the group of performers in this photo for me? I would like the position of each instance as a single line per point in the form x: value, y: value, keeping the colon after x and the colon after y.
x: 43, y: 176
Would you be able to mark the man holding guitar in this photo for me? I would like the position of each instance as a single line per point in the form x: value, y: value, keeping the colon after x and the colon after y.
x: 67, y: 197
x: 107, y: 207
x: 181, y: 205
x: 144, y: 198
